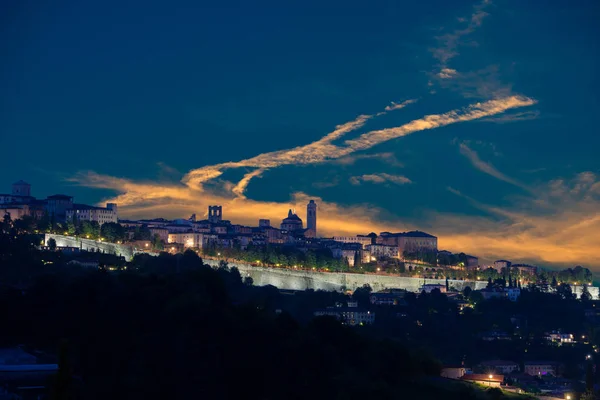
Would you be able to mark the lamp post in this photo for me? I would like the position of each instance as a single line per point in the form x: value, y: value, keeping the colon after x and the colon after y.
x: 490, y: 381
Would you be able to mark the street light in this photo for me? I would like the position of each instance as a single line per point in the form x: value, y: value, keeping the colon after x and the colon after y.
x: 490, y: 381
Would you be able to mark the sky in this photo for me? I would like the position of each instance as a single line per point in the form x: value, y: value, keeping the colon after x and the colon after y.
x: 475, y: 121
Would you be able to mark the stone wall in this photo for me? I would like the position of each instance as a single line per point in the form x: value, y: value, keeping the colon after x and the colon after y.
x: 301, y: 280
x: 91, y: 245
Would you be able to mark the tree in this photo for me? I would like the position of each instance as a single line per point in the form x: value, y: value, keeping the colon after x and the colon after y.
x: 554, y: 283
x: 52, y: 244
x: 248, y: 281
x: 564, y: 291
x: 6, y: 223
x: 112, y: 232
x: 489, y: 284
x: 447, y: 285
x: 585, y: 294
x: 157, y: 242
x: 467, y: 291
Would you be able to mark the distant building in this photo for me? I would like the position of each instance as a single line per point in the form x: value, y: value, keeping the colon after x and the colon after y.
x: 526, y: 269
x: 349, y: 315
x: 412, y: 241
x: 513, y: 293
x: 500, y: 265
x: 429, y: 287
x: 537, y: 368
x: 493, y: 293
x: 292, y: 223
x: 453, y: 372
x: 363, y: 240
x: 191, y: 239
x: 382, y: 250
x: 559, y: 337
x: 20, y: 194
x: 263, y: 223
x: 215, y: 214
x: 500, y: 366
x: 489, y: 380
x: 311, y: 219
x: 82, y: 212
x: 472, y: 261
x: 57, y: 205
x: 387, y: 299
x: 92, y: 264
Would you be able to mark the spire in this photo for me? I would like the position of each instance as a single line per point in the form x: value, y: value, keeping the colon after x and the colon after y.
x: 290, y: 213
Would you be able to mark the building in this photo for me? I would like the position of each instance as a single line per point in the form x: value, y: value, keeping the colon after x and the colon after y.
x: 349, y: 315
x: 311, y: 219
x: 493, y: 293
x: 453, y: 372
x: 192, y: 239
x: 513, y: 293
x: 382, y: 250
x: 264, y: 223
x: 57, y: 205
x: 537, y: 368
x: 363, y: 240
x: 20, y: 194
x: 162, y: 233
x: 472, y: 261
x: 82, y: 212
x: 413, y: 241
x: 500, y: 366
x: 215, y: 214
x: 489, y: 380
x: 526, y: 269
x: 429, y: 287
x: 292, y: 223
x: 559, y: 337
x: 387, y: 298
x: 502, y: 265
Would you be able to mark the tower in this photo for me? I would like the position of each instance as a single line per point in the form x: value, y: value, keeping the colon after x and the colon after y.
x: 215, y: 214
x: 311, y: 218
x: 21, y: 188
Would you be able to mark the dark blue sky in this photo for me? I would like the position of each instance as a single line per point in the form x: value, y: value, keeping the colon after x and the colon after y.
x: 147, y: 91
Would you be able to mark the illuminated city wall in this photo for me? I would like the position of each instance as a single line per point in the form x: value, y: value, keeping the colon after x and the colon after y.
x: 91, y: 245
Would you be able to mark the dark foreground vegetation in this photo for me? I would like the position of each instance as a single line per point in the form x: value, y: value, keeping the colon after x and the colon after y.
x: 169, y: 327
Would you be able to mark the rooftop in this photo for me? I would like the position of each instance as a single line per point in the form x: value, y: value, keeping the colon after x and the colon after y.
x: 21, y: 182
x: 59, y: 197
x: 408, y: 234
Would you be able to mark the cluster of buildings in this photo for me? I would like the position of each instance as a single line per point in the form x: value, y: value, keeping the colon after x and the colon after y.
x: 216, y: 231
x: 59, y: 207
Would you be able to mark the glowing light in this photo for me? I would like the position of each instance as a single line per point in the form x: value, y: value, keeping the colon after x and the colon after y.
x: 146, y: 244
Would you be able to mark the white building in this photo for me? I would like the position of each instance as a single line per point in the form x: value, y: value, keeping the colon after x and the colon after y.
x: 363, y: 240
x: 82, y: 212
x: 382, y: 250
x: 559, y: 337
x: 191, y: 239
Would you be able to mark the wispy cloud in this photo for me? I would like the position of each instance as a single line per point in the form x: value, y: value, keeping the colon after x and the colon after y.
x: 447, y: 73
x: 487, y: 167
x: 560, y: 225
x: 516, y: 117
x: 398, y: 106
x: 380, y: 178
x: 388, y: 157
x: 449, y: 43
x: 324, y: 150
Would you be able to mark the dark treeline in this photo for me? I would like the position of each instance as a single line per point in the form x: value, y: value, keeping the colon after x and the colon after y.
x: 172, y: 327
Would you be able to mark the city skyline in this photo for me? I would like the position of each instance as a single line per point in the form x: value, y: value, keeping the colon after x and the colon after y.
x: 459, y: 121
